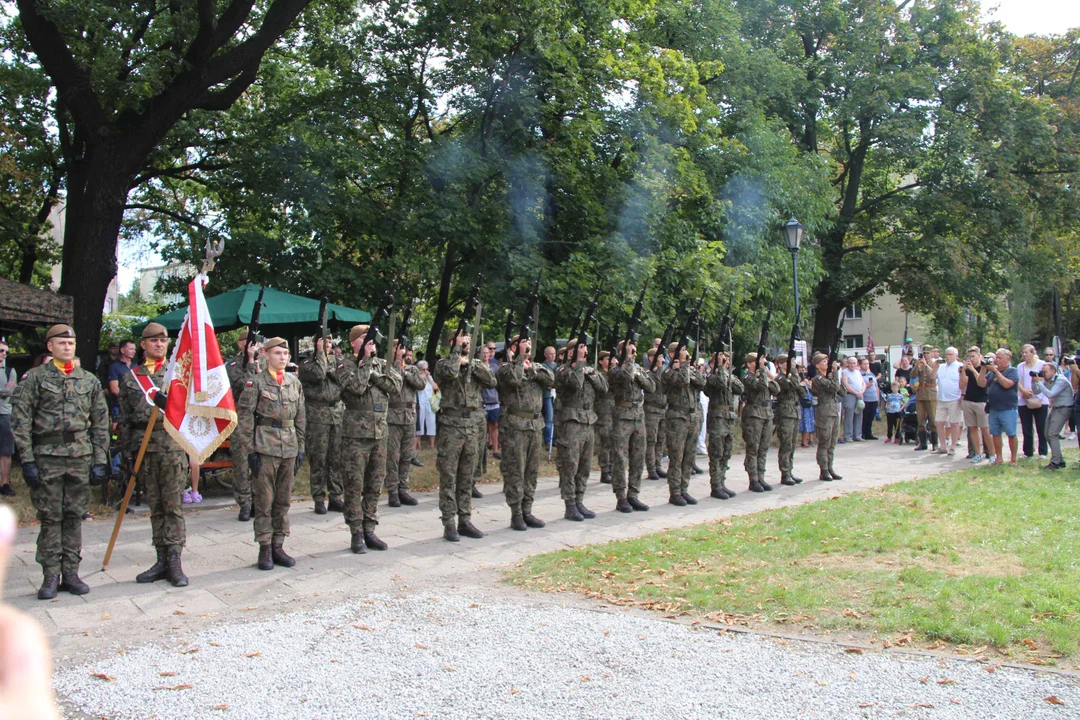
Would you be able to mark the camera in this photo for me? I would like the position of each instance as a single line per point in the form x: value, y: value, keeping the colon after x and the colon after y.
x: 1033, y: 373
x: 986, y: 362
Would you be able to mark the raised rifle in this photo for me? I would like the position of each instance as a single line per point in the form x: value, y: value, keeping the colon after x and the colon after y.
x: 723, y: 340
x: 323, y: 328
x: 834, y: 351
x: 634, y: 323
x: 508, y: 334
x: 464, y: 326
x: 403, y: 328
x: 253, y: 327
x: 688, y: 328
x: 762, y: 353
x: 529, y: 318
x: 381, y: 313
x: 589, y: 316
x: 659, y: 354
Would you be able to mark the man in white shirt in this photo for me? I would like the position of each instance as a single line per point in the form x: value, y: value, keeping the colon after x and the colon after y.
x: 853, y: 383
x: 1033, y: 407
x: 950, y: 414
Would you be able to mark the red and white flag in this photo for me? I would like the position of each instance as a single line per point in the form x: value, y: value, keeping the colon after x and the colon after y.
x: 869, y: 343
x: 200, y: 413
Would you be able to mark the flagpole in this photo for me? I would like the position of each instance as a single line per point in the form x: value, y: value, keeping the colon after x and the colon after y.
x: 130, y: 486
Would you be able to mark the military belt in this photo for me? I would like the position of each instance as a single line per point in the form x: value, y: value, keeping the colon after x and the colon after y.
x: 401, y: 406
x: 463, y: 414
x: 626, y: 404
x: 524, y: 414
x: 321, y: 403
x: 658, y: 406
x: 58, y: 438
x: 583, y: 406
x: 366, y: 407
x: 684, y: 408
x: 271, y: 422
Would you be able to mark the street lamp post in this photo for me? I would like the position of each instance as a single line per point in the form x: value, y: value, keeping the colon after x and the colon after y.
x: 793, y: 235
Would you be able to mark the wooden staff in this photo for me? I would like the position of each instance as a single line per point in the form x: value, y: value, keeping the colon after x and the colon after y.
x: 130, y: 486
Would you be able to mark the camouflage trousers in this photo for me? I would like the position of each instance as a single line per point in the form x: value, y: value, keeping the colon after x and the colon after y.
x: 61, y: 500
x: 602, y: 445
x: 479, y: 452
x: 787, y: 432
x: 271, y: 493
x: 365, y: 464
x: 756, y: 432
x: 241, y: 476
x: 456, y: 452
x: 654, y: 439
x: 520, y: 465
x: 826, y: 427
x: 166, y: 475
x: 720, y: 447
x: 575, y: 445
x: 628, y: 451
x: 681, y: 446
x: 323, y: 447
x: 400, y: 450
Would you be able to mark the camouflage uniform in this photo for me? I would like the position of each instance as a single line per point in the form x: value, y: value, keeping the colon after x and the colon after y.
x: 576, y: 387
x: 925, y: 403
x: 521, y: 429
x: 238, y: 379
x: 826, y: 420
x: 164, y: 466
x: 366, y: 388
x: 757, y: 417
x: 721, y: 387
x: 461, y: 419
x: 682, y: 387
x: 788, y: 412
x: 605, y: 414
x: 271, y: 422
x: 322, y: 400
x: 629, y: 381
x: 655, y: 408
x: 401, y: 439
x: 60, y: 422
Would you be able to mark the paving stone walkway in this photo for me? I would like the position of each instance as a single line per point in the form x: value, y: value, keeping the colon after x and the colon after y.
x: 225, y: 584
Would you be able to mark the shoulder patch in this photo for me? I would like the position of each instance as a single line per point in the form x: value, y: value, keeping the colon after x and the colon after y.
x: 24, y: 376
x: 341, y: 366
x: 250, y: 383
x: 232, y: 363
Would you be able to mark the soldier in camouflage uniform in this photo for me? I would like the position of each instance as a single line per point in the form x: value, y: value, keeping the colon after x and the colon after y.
x: 322, y: 398
x: 788, y: 412
x: 682, y: 386
x: 238, y: 377
x: 521, y: 430
x: 271, y: 424
x: 165, y: 464
x: 576, y: 386
x: 629, y: 382
x: 461, y: 419
x: 605, y: 414
x: 827, y: 414
x: 61, y: 426
x: 721, y: 387
x: 655, y: 408
x: 367, y: 384
x: 401, y: 427
x: 758, y: 389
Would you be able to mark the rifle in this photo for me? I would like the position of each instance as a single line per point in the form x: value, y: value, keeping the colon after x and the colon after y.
x: 253, y: 326
x: 688, y: 328
x: 583, y: 336
x: 834, y: 351
x: 530, y: 310
x: 508, y: 334
x: 323, y: 320
x: 403, y: 329
x: 762, y: 353
x: 663, y: 346
x: 634, y: 323
x: 381, y: 312
x: 725, y: 330
x: 464, y: 328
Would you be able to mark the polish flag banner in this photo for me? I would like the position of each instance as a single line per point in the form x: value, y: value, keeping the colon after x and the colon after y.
x: 200, y: 413
x: 869, y: 343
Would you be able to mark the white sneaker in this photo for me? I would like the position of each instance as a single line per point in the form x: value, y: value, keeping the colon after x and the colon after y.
x: 952, y: 451
x: 976, y: 458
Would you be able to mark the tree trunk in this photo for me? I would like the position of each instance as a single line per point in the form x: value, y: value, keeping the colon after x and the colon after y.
x: 442, y: 308
x: 826, y: 317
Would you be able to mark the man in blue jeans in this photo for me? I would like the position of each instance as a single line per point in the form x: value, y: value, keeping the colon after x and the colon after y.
x: 549, y: 401
x: 1000, y: 381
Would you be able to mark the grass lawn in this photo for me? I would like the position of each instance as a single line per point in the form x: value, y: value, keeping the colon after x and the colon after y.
x: 979, y: 557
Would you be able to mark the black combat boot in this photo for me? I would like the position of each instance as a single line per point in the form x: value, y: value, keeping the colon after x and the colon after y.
x: 372, y: 540
x: 653, y: 475
x: 922, y: 441
x: 175, y: 573
x: 677, y: 499
x: 70, y: 581
x: 357, y: 543
x: 690, y: 500
x: 395, y: 499
x: 531, y: 520
x: 696, y: 470
x: 755, y: 486
x: 572, y: 512
x: 156, y: 571
x: 406, y: 498
x: 336, y: 505
x: 825, y: 476
x: 245, y: 512
x: 660, y: 472
x: 605, y: 477
x: 585, y: 512
x: 718, y: 493
x: 764, y: 485
x: 517, y: 522
x: 623, y: 505
x: 450, y: 533
x: 278, y: 555
x: 466, y: 528
x: 320, y: 507
x: 637, y: 504
x: 725, y: 488
x: 786, y: 479
x: 797, y: 480
x: 265, y: 561
x: 49, y: 586
x: 476, y: 493
x: 834, y: 475
x: 933, y: 440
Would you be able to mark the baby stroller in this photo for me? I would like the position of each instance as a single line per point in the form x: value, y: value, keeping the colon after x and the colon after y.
x: 909, y: 423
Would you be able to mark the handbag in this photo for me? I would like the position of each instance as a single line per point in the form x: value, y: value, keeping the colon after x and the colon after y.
x: 436, y: 401
x: 1034, y: 402
x: 806, y: 401
x: 860, y: 404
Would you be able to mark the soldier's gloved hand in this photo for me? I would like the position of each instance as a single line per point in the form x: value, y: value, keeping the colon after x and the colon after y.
x: 160, y: 399
x: 299, y: 462
x: 98, y: 473
x: 253, y: 463
x: 30, y: 475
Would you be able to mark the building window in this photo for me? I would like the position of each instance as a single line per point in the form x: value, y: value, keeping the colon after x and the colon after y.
x: 853, y: 311
x: 852, y: 341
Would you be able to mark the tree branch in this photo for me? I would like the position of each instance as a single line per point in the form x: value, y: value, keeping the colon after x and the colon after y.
x: 178, y: 171
x: 223, y: 99
x: 882, y: 198
x: 180, y: 217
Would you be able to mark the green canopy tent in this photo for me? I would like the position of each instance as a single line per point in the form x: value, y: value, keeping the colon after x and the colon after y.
x: 283, y: 314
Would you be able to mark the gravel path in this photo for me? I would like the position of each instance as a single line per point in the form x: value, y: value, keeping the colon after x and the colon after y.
x: 460, y: 656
